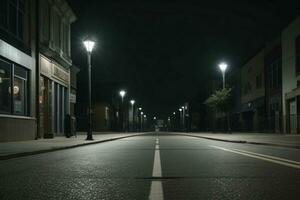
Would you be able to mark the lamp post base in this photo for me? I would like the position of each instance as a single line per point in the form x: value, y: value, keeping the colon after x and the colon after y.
x: 89, y: 137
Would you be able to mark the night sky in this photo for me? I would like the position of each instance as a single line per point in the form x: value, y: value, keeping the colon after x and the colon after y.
x: 165, y: 53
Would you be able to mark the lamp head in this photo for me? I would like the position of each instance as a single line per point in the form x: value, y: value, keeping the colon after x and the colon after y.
x: 122, y: 93
x: 223, y: 66
x: 132, y: 102
x: 89, y: 45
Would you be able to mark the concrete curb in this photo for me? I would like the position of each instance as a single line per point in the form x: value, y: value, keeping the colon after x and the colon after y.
x: 241, y: 141
x: 30, y: 153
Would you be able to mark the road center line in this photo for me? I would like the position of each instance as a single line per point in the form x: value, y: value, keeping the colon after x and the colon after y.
x: 273, y: 159
x: 156, y: 191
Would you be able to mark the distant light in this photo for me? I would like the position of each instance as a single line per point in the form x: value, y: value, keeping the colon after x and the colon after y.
x: 223, y: 66
x: 140, y: 108
x: 89, y: 45
x: 180, y: 109
x: 142, y: 113
x: 122, y: 93
x: 145, y: 116
x: 154, y: 118
x: 174, y: 113
x: 132, y: 102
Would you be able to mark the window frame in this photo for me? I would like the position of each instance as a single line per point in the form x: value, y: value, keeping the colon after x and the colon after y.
x: 12, y: 84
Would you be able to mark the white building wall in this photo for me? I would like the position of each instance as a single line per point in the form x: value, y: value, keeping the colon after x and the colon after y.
x: 289, y: 77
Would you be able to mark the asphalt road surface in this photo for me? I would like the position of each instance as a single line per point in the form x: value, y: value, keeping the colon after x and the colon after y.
x: 155, y: 166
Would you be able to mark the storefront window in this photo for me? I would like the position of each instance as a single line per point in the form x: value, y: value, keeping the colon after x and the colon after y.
x: 20, y: 91
x: 16, y: 84
x: 5, y: 85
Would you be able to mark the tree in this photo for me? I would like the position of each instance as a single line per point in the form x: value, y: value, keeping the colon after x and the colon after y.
x: 220, y: 101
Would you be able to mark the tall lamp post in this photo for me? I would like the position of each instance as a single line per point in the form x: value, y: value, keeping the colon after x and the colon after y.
x: 142, y: 121
x: 223, y: 66
x: 180, y: 110
x: 122, y: 93
x: 132, y: 102
x: 89, y: 45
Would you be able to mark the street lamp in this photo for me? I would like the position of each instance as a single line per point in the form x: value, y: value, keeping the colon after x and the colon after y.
x: 140, y: 108
x: 132, y: 102
x: 223, y: 66
x: 122, y: 94
x: 89, y: 45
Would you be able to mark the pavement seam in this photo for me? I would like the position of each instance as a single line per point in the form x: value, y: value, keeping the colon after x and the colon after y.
x: 241, y: 141
x: 31, y: 153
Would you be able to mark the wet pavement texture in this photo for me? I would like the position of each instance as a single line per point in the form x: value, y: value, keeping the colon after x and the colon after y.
x: 191, y: 169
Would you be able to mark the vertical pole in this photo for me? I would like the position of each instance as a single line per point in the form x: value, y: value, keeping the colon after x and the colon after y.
x: 89, y: 133
x: 132, y: 118
x: 223, y: 73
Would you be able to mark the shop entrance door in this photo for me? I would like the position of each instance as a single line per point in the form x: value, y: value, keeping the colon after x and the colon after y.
x: 44, y: 105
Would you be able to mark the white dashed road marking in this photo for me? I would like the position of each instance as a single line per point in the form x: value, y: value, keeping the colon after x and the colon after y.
x: 156, y: 191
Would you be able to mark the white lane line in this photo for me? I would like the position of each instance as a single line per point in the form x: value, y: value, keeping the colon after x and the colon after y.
x: 156, y: 191
x: 273, y: 159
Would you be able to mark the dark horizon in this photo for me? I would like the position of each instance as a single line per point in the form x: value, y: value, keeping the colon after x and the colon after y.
x: 163, y: 54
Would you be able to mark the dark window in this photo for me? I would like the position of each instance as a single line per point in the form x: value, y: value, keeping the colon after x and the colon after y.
x: 5, y: 85
x: 274, y: 74
x: 20, y: 90
x: 258, y: 81
x: 14, y: 18
x: 13, y: 80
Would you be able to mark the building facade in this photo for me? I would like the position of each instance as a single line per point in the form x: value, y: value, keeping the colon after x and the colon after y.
x: 54, y: 66
x: 253, y: 94
x: 291, y: 76
x: 17, y: 70
x: 273, y: 87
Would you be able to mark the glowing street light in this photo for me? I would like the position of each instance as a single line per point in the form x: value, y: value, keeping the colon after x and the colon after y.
x: 89, y: 45
x: 132, y: 102
x: 223, y: 66
x: 122, y: 94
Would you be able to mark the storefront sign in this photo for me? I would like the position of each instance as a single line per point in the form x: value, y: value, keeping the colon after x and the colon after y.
x: 72, y: 98
x: 60, y: 74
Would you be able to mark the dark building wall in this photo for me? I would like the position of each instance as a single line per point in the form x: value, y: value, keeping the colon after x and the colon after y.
x: 17, y: 50
x: 17, y: 129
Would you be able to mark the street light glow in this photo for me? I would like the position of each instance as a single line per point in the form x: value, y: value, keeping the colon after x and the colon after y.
x: 142, y: 113
x: 122, y: 93
x: 223, y: 66
x: 89, y: 45
x: 145, y: 116
x: 132, y: 102
x: 154, y: 118
x: 180, y: 109
x: 140, y: 108
x: 174, y: 113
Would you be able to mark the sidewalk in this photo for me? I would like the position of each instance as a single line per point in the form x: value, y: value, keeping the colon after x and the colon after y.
x: 10, y: 150
x: 283, y: 140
